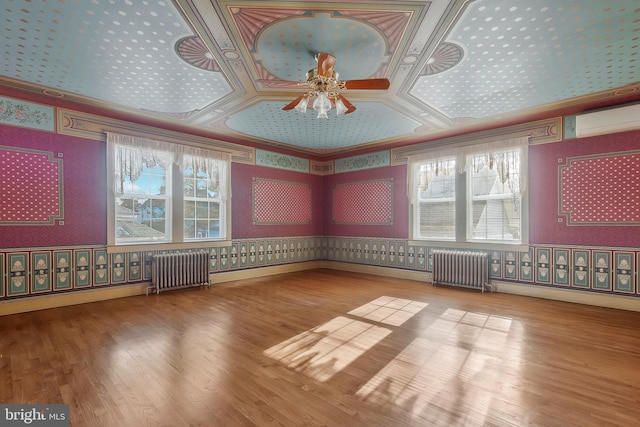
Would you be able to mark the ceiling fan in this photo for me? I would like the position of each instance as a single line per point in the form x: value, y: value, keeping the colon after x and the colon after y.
x: 324, y: 89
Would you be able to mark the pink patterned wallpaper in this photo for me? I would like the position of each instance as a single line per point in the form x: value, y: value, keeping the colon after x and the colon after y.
x: 598, y: 198
x: 84, y: 195
x: 281, y: 202
x: 368, y: 202
x: 365, y: 201
x: 32, y: 194
x: 602, y: 189
x: 296, y: 213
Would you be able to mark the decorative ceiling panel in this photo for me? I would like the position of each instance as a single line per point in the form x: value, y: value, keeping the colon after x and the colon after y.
x: 229, y: 66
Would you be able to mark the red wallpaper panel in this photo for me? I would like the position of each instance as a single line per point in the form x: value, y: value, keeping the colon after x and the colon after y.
x: 602, y: 189
x: 369, y: 202
x: 32, y: 194
x: 589, y: 191
x: 272, y: 224
x: 281, y: 202
x: 83, y: 180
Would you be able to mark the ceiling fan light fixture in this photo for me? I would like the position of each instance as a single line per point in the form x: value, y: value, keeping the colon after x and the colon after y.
x: 302, y: 105
x: 323, y: 89
x: 322, y: 105
x: 340, y: 107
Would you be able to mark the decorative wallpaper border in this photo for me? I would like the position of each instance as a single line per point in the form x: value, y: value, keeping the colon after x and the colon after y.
x: 365, y: 161
x: 40, y: 271
x: 281, y: 161
x: 26, y: 114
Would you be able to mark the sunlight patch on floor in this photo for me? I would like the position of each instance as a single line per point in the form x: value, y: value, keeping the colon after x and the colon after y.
x: 323, y: 351
x: 433, y: 378
x: 327, y: 349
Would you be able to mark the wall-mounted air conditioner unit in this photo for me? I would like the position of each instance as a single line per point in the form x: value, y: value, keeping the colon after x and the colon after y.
x: 608, y: 121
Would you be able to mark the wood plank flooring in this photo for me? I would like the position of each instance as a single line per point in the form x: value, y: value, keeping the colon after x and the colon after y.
x: 327, y: 348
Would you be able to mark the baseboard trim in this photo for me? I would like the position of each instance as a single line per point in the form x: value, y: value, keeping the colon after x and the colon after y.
x: 43, y: 302
x: 619, y: 302
x: 419, y: 276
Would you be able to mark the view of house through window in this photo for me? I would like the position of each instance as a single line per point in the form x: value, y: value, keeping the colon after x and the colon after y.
x: 473, y: 194
x: 156, y: 183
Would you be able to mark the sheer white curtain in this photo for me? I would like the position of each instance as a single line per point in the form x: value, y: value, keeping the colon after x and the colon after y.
x: 133, y: 153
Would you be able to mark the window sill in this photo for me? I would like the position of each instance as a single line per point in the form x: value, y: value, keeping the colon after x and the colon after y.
x: 199, y: 244
x: 487, y: 246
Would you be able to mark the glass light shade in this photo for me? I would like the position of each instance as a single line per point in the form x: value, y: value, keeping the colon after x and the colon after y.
x: 322, y: 105
x: 302, y: 105
x: 340, y: 107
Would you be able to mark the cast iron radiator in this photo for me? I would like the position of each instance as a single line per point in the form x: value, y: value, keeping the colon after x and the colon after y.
x: 464, y: 268
x: 179, y: 270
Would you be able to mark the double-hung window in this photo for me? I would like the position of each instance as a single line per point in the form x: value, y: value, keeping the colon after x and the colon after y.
x: 165, y: 193
x: 472, y: 194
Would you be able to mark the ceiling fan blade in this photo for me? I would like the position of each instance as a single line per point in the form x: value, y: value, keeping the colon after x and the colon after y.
x: 326, y: 62
x: 292, y: 104
x: 374, y: 84
x: 350, y: 107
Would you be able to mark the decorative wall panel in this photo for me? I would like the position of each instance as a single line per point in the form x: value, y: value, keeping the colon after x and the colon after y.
x: 100, y: 267
x: 281, y: 202
x: 602, y: 189
x: 561, y: 267
x: 118, y: 267
x: 2, y: 276
x: 601, y: 270
x: 543, y: 263
x: 281, y: 161
x: 365, y: 161
x: 83, y: 268
x: 623, y: 272
x: 62, y: 273
x: 18, y: 268
x: 581, y: 268
x: 367, y: 202
x: 32, y: 187
x: 40, y: 272
x: 26, y: 114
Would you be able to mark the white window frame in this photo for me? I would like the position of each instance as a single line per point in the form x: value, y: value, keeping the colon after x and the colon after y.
x: 175, y: 186
x: 463, y: 220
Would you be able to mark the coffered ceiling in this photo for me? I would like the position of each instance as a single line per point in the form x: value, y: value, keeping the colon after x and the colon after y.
x: 228, y: 67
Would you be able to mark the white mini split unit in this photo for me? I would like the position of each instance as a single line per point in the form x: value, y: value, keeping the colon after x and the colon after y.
x: 608, y: 121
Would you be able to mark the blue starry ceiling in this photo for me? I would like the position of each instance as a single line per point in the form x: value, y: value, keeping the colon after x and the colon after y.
x: 230, y: 66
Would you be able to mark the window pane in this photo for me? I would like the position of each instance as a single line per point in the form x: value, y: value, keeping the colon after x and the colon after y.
x: 202, y: 210
x: 201, y: 188
x: 436, y: 186
x: 495, y: 203
x: 202, y: 207
x: 214, y: 228
x: 437, y: 220
x: 139, y: 220
x: 141, y: 194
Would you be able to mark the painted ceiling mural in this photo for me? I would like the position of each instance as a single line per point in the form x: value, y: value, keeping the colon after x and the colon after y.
x: 230, y: 66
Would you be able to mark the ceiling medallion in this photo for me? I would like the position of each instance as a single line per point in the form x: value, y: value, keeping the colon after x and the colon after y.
x: 193, y: 51
x: 444, y: 57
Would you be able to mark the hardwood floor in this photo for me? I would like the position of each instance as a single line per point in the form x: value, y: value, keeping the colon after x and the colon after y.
x: 326, y: 348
